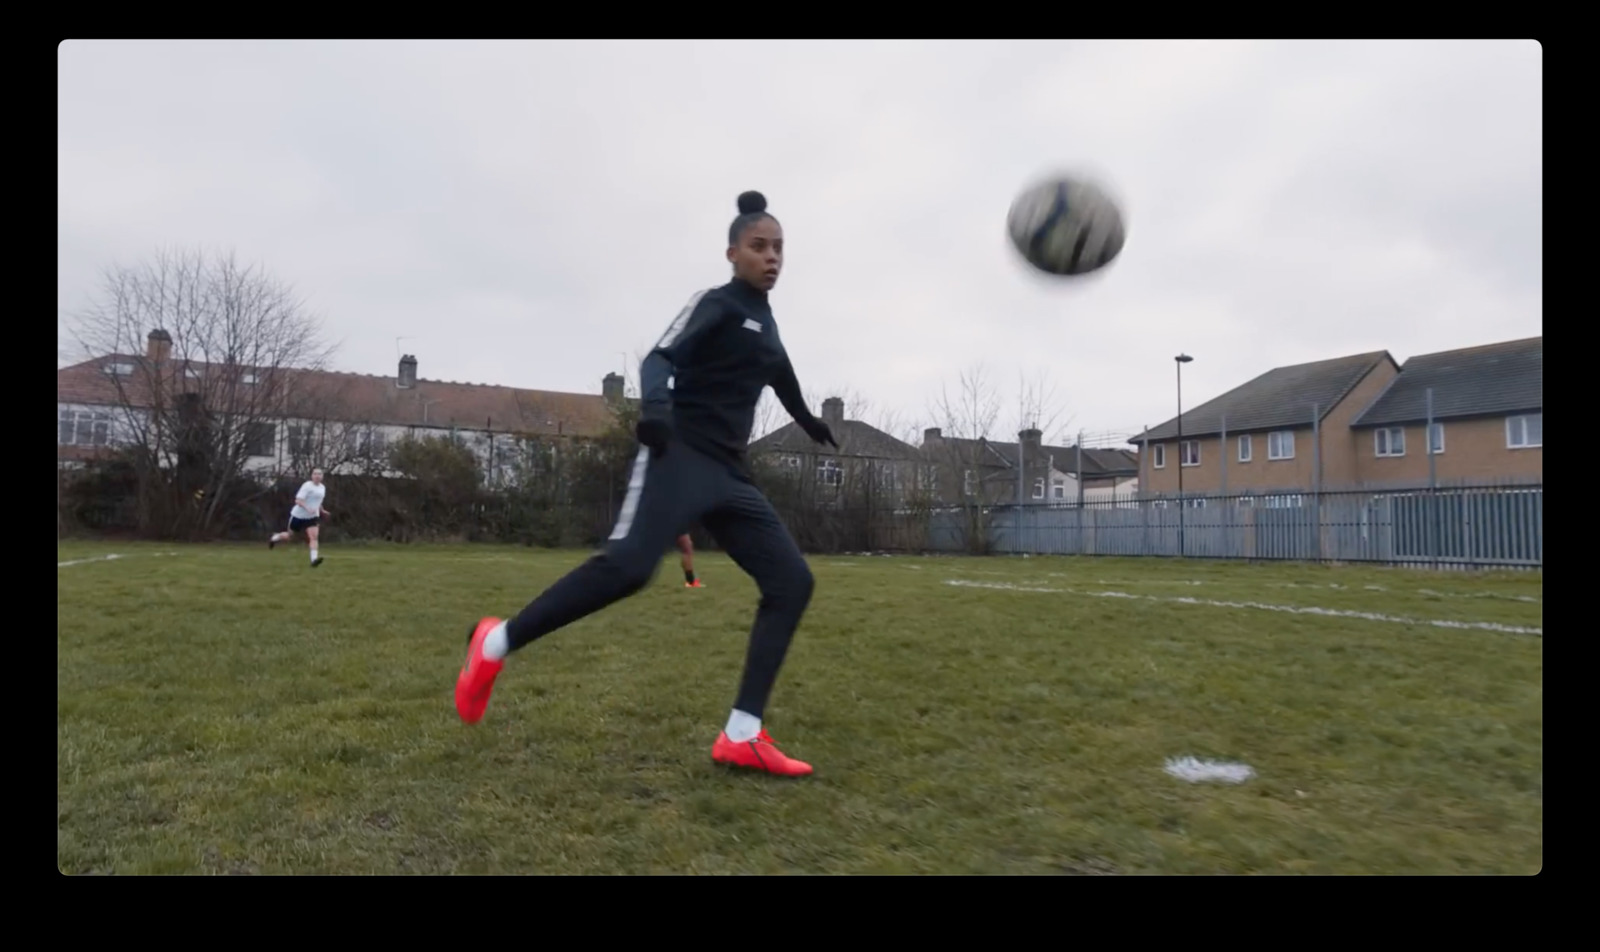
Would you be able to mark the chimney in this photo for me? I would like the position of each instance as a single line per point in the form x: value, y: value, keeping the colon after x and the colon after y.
x: 611, y: 387
x: 931, y: 434
x: 408, y: 373
x: 158, y: 345
x: 1031, y: 439
x: 833, y: 412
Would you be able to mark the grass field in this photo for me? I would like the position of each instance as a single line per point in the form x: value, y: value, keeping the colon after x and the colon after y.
x: 225, y: 709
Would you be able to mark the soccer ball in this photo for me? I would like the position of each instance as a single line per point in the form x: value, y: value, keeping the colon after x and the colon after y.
x: 1066, y: 225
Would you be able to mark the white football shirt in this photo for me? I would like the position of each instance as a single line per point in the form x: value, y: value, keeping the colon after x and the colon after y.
x: 313, y: 494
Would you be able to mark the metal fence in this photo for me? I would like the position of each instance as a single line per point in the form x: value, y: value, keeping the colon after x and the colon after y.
x: 1459, y: 527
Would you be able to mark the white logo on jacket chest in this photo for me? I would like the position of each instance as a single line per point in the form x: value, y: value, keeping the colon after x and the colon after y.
x: 751, y: 324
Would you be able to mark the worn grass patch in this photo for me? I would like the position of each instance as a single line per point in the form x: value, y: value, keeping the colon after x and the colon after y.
x: 225, y: 709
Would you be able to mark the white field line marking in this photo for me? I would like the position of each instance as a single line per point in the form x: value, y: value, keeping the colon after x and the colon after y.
x: 1291, y: 609
x: 103, y: 558
x: 108, y: 558
x: 1200, y: 771
x: 1317, y: 585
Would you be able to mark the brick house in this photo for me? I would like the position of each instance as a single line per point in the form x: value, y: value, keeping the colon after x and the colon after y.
x: 867, y: 462
x: 1286, y: 430
x: 340, y: 421
x: 1487, y: 418
x: 1028, y: 470
x: 1358, y: 422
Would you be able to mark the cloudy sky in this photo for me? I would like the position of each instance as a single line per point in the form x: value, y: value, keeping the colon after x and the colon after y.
x: 535, y: 213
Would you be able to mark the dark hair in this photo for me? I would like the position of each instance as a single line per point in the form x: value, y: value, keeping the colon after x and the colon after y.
x: 752, y: 208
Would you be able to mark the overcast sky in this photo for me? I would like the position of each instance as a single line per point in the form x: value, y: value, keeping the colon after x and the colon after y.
x: 535, y: 213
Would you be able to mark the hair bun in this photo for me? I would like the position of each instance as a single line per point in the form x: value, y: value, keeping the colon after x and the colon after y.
x: 751, y: 202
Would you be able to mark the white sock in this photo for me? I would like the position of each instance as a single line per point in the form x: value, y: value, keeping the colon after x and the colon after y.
x: 742, y: 727
x: 313, y: 553
x: 495, y: 645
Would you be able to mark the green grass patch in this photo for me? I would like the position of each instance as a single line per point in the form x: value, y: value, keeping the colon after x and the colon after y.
x: 226, y: 709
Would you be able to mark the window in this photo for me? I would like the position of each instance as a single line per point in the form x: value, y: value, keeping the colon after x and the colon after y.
x: 886, y: 477
x: 248, y: 377
x: 1194, y: 504
x: 829, y: 473
x: 1038, y: 488
x: 260, y: 439
x: 83, y: 428
x: 1436, y: 438
x: 119, y: 368
x: 191, y: 373
x: 1059, y: 490
x: 1189, y: 453
x: 1280, y: 445
x: 1245, y: 448
x: 1159, y: 460
x: 969, y: 482
x: 1389, y: 441
x: 1525, y: 432
x: 302, y: 440
x: 792, y: 461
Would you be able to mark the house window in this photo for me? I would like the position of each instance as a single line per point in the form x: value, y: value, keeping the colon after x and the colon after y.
x: 191, y: 373
x: 1059, y: 490
x: 1436, y: 438
x: 1389, y: 441
x: 249, y: 378
x: 791, y: 461
x: 969, y: 482
x: 1280, y: 445
x: 83, y: 428
x: 1038, y: 488
x: 119, y: 368
x: 1189, y: 453
x: 260, y: 439
x: 1245, y: 448
x: 1159, y: 460
x: 886, y: 480
x: 302, y: 440
x: 1525, y: 432
x: 829, y: 473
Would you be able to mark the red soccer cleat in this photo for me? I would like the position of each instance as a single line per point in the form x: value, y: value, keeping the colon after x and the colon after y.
x: 758, y: 754
x: 477, y: 674
x: 693, y: 584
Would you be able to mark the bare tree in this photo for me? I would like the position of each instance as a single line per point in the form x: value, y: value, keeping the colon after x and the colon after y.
x: 960, y: 456
x: 197, y: 355
x: 1042, y: 407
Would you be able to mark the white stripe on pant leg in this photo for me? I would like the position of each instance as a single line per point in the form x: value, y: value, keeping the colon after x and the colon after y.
x: 635, y: 486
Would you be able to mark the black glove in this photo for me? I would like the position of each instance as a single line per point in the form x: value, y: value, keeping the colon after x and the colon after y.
x: 819, y: 432
x: 654, y: 434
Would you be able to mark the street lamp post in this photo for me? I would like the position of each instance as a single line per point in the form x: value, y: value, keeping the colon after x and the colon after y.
x: 1180, y: 360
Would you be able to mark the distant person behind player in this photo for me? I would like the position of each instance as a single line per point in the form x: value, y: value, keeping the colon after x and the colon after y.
x: 306, y: 516
x: 721, y: 351
x: 686, y: 547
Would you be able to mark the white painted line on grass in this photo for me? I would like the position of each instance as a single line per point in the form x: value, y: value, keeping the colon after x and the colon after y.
x: 1202, y: 771
x: 106, y: 558
x: 1291, y: 609
x: 103, y: 558
x: 1317, y: 585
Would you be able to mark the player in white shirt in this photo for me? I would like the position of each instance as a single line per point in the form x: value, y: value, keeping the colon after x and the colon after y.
x: 306, y: 515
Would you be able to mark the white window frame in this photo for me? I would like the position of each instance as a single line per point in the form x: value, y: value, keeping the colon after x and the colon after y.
x: 1246, y: 448
x: 1059, y: 490
x: 119, y: 368
x: 1158, y: 457
x: 1182, y: 456
x: 96, y: 423
x: 1385, y: 448
x: 1517, y: 426
x: 829, y: 472
x: 1283, y: 436
x: 969, y: 483
x: 1436, y: 446
x: 1038, y: 487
